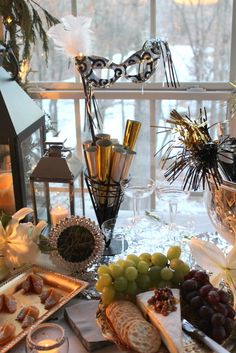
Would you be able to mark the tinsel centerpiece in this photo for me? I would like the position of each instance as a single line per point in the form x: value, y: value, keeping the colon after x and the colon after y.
x: 197, y: 153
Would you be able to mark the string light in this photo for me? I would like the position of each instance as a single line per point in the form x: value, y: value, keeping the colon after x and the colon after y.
x: 9, y: 20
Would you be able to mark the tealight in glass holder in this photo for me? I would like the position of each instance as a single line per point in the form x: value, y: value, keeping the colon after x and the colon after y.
x: 47, y: 338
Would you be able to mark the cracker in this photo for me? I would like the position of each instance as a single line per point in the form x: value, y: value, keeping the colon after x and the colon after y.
x: 142, y: 337
x: 131, y: 327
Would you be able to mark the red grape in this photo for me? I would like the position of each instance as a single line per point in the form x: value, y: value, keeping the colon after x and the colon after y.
x: 206, y: 311
x: 204, y: 290
x: 190, y: 295
x: 228, y: 325
x: 190, y: 275
x: 221, y: 308
x: 189, y: 285
x: 204, y: 325
x: 202, y: 277
x: 217, y: 319
x: 213, y: 297
x: 218, y: 334
x: 224, y: 297
x: 231, y: 312
x: 196, y: 302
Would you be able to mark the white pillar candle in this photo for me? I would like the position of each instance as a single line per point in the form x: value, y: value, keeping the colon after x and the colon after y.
x: 47, y: 343
x: 57, y: 213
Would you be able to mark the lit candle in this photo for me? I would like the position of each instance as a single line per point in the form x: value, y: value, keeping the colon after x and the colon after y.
x: 57, y: 214
x: 47, y: 343
x: 7, y: 200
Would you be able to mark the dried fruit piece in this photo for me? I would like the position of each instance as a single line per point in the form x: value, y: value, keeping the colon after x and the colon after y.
x: 52, y: 299
x: 37, y: 283
x: 21, y: 315
x: 26, y: 284
x: 8, y: 303
x: 33, y: 283
x: 28, y: 315
x: 45, y: 295
x: 7, y: 331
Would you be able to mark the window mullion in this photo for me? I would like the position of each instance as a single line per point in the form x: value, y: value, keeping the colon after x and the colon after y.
x: 233, y: 45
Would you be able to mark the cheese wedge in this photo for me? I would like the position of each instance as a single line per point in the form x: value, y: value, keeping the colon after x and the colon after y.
x: 169, y: 326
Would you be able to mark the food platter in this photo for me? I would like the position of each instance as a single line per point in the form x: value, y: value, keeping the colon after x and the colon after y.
x: 190, y: 344
x: 66, y: 286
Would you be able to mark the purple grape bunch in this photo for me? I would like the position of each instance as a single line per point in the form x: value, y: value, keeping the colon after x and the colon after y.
x: 211, y: 305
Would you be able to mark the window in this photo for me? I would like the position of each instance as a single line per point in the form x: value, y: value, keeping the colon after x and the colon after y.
x: 202, y: 47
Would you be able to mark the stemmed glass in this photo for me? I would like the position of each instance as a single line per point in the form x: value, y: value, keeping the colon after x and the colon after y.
x: 114, y: 231
x: 173, y: 194
x: 137, y: 189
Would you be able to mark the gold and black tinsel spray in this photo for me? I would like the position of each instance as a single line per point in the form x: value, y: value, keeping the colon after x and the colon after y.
x: 197, y: 154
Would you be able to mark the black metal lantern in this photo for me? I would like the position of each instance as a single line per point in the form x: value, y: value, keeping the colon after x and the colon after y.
x: 53, y: 184
x: 22, y: 136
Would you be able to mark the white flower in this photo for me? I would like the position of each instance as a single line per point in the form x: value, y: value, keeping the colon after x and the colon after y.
x: 211, y: 258
x: 18, y: 241
x: 73, y: 35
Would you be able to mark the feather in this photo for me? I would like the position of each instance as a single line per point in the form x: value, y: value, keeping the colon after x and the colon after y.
x: 73, y: 35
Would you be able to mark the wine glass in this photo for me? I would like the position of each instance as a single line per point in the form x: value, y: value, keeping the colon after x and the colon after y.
x: 173, y: 194
x: 47, y: 338
x: 137, y: 189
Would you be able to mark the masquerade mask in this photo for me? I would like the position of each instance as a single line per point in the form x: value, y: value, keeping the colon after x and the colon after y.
x: 145, y: 60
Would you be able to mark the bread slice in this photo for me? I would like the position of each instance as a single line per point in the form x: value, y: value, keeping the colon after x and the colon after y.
x: 169, y: 326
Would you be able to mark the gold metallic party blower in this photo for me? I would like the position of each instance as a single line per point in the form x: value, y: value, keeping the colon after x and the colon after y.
x: 131, y: 133
x: 107, y: 163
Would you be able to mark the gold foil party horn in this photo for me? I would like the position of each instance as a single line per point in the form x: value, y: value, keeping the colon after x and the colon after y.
x: 128, y: 161
x: 102, y: 137
x: 90, y: 155
x: 131, y: 133
x: 87, y: 144
x: 118, y: 161
x: 104, y: 151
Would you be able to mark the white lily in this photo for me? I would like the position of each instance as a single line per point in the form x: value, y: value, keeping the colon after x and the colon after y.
x: 18, y: 241
x: 211, y: 258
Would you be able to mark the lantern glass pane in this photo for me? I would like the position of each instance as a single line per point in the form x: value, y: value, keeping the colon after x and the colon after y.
x: 59, y: 195
x: 31, y: 150
x: 7, y: 199
x: 57, y: 202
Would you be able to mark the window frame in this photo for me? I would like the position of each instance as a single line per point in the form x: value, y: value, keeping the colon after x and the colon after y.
x: 152, y: 91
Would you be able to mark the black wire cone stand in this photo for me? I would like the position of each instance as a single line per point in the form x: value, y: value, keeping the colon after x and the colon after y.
x: 106, y: 199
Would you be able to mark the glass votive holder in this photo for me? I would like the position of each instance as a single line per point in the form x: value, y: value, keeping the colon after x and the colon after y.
x: 114, y: 232
x: 47, y: 338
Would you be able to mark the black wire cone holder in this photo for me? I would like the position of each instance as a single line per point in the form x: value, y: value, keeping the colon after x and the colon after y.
x: 106, y: 198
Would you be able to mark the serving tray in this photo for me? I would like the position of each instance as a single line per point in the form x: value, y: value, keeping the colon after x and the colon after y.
x: 190, y: 345
x: 67, y: 286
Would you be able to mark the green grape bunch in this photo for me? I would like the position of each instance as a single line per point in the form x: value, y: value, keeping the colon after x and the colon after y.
x: 125, y: 278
